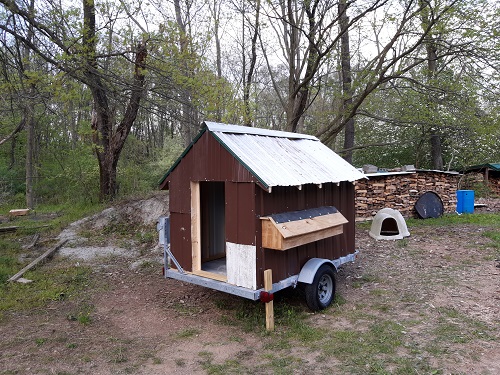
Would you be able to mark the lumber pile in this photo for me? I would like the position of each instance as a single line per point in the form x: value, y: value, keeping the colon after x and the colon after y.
x: 475, y: 180
x: 19, y: 212
x: 401, y: 191
x: 494, y: 184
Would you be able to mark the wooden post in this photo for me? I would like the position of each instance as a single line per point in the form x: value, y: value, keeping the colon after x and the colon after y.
x: 268, y: 285
x: 195, y: 226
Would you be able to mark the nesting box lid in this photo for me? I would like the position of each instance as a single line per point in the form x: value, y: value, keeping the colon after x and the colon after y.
x: 291, y: 229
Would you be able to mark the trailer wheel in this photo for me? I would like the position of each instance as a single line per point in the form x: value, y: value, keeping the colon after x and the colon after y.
x: 320, y: 293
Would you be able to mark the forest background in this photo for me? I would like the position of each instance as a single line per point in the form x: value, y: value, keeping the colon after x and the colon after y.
x: 99, y: 97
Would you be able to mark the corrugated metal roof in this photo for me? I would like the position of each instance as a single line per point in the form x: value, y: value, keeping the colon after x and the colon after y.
x: 377, y: 174
x: 237, y: 129
x: 283, y: 159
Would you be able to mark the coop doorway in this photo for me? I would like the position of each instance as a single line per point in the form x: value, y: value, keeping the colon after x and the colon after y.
x: 208, y: 229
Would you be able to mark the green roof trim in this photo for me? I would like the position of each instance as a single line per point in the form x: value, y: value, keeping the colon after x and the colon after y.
x: 176, y: 163
x: 493, y: 166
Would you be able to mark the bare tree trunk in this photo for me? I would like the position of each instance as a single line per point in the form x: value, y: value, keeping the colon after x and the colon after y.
x: 189, y: 116
x: 249, y: 74
x: 108, y: 141
x: 431, y: 50
x: 215, y: 9
x: 30, y: 156
x: 299, y: 89
x: 345, y: 63
x: 292, y: 30
x: 435, y: 136
x: 30, y: 122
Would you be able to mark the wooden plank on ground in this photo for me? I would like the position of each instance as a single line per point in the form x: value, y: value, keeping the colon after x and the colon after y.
x: 38, y: 260
x: 19, y: 212
x: 8, y: 229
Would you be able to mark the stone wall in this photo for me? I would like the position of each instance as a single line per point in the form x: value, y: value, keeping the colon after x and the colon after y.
x: 401, y: 190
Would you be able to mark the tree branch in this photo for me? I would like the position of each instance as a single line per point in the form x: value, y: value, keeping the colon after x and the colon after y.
x: 19, y: 127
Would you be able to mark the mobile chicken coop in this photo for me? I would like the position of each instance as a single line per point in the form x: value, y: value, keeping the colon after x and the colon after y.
x: 244, y: 200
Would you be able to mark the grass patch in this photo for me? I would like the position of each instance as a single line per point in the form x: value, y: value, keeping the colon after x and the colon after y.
x: 84, y: 318
x: 455, y: 327
x: 282, y: 365
x: 290, y: 320
x: 494, y: 236
x: 40, y: 341
x: 402, y: 243
x: 51, y: 219
x: 49, y: 284
x: 187, y: 333
x: 367, y: 351
x: 9, y: 264
x: 365, y: 279
x: 454, y: 219
x: 229, y: 366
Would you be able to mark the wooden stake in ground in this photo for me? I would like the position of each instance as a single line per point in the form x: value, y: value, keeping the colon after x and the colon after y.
x: 268, y: 286
x: 38, y: 260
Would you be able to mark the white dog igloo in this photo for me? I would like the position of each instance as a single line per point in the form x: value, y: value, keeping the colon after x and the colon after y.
x: 389, y: 224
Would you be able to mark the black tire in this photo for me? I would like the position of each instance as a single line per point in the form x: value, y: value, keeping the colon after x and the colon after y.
x: 320, y: 294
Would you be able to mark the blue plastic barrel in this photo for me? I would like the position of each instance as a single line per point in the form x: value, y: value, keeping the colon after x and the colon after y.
x: 465, y: 201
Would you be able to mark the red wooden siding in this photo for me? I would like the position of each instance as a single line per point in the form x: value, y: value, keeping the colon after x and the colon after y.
x: 240, y: 213
x: 180, y: 239
x: 207, y: 160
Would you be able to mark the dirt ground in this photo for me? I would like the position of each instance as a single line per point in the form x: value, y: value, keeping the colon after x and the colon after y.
x: 441, y: 286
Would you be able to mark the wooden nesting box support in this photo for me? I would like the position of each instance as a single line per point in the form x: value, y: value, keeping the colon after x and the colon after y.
x: 292, y: 229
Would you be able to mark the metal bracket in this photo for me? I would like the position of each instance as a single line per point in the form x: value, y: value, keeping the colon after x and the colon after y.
x: 163, y: 228
x: 167, y: 255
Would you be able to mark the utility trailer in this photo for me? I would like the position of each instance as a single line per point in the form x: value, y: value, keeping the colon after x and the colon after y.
x: 244, y: 200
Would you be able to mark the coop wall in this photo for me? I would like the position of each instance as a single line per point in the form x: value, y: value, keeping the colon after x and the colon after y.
x: 209, y: 161
x: 401, y: 191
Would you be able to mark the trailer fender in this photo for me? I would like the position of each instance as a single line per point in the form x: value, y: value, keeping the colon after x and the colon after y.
x: 309, y: 270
